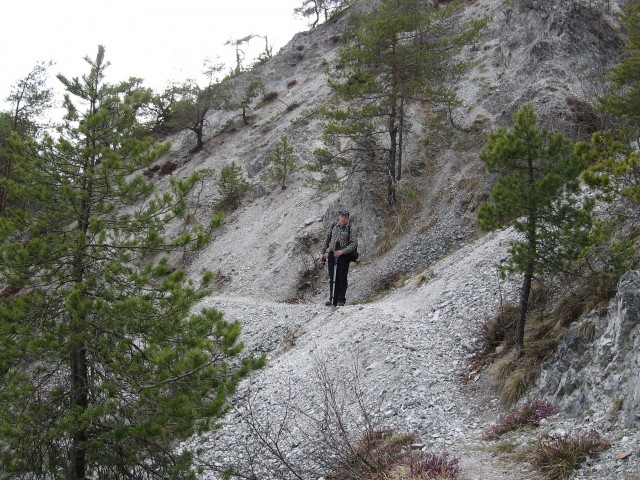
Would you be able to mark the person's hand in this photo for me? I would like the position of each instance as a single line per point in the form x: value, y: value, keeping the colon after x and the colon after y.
x: 339, y: 252
x: 322, y: 257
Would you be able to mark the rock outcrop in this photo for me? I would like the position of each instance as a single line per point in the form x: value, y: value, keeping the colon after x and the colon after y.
x: 596, y: 365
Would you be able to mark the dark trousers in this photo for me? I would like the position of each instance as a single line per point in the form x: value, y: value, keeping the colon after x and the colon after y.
x: 339, y: 280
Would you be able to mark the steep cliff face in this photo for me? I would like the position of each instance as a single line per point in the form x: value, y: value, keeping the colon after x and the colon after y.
x: 551, y: 54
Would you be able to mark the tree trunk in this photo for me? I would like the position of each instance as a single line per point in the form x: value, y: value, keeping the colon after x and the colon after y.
x: 531, y: 234
x: 244, y: 115
x: 78, y: 362
x: 400, y: 140
x: 522, y: 314
x: 393, y: 130
x: 6, y: 172
x: 199, y: 131
x: 79, y: 398
x: 391, y: 174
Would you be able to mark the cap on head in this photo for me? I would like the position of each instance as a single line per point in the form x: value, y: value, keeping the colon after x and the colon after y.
x: 344, y: 212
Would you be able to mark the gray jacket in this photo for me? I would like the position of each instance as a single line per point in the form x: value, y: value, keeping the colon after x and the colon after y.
x: 347, y: 241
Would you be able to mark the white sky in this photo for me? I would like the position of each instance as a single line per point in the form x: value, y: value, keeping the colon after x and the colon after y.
x: 157, y: 40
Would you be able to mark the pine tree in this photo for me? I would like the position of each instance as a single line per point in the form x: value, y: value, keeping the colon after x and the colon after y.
x: 613, y: 172
x: 315, y: 8
x: 399, y: 53
x: 29, y: 99
x: 103, y: 363
x: 613, y: 176
x: 624, y: 100
x: 232, y: 185
x: 283, y: 161
x: 538, y: 173
x: 194, y: 103
x: 251, y: 89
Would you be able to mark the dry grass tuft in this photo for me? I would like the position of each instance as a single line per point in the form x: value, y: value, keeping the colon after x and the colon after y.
x: 548, y: 319
x: 558, y: 457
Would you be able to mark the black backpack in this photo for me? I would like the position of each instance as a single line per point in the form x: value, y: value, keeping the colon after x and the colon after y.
x: 353, y: 256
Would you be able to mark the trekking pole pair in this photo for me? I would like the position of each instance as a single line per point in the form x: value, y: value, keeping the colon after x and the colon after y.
x: 333, y: 264
x: 331, y: 270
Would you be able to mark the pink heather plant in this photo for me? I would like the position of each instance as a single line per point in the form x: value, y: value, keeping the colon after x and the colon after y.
x: 431, y: 466
x: 531, y: 413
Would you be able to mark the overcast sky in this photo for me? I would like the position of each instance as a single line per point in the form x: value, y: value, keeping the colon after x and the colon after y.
x: 157, y: 40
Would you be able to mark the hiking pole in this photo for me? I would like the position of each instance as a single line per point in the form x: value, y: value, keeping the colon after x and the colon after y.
x: 331, y: 269
x: 335, y: 273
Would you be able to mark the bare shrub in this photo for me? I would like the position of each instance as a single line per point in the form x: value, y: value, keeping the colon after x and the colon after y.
x: 494, y: 330
x: 149, y: 172
x: 269, y: 97
x: 291, y: 337
x: 168, y: 167
x: 327, y: 424
x: 584, y: 116
x: 311, y: 271
x: 330, y: 431
x: 387, y: 282
x: 291, y: 107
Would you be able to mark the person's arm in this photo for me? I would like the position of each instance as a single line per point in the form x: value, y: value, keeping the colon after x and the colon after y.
x: 325, y: 246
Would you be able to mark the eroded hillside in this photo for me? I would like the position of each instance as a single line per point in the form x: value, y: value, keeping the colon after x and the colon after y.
x: 552, y: 54
x: 414, y: 344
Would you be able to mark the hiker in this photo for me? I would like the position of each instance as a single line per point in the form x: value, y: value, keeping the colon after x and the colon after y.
x: 339, y: 245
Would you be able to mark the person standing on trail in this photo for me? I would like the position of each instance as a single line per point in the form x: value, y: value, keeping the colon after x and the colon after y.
x: 339, y: 244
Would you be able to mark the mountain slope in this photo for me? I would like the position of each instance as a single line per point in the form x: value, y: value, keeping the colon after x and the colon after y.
x: 413, y: 345
x: 531, y: 51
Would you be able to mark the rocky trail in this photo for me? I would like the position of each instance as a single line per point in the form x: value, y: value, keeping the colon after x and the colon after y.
x: 407, y: 357
x: 412, y: 348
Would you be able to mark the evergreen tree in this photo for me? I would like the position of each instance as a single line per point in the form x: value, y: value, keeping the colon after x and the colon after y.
x: 239, y: 53
x: 283, y: 161
x: 538, y: 173
x: 624, y: 100
x: 232, y: 185
x: 613, y: 172
x: 29, y: 99
x: 103, y: 364
x: 160, y: 110
x: 315, y: 8
x: 398, y: 53
x: 613, y: 175
x: 251, y: 89
x: 195, y: 102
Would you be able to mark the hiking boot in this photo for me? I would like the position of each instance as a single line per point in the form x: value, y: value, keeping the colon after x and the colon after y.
x: 340, y: 304
x: 328, y: 303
